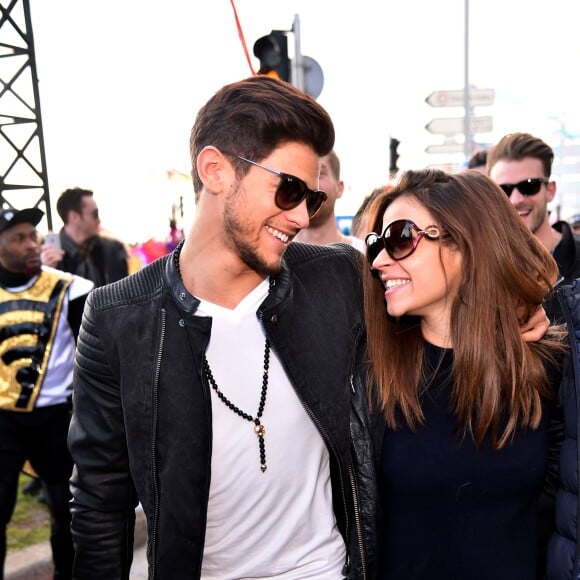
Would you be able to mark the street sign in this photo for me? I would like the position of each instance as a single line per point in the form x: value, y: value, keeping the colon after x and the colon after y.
x: 445, y: 148
x: 313, y: 77
x: 455, y: 125
x: 447, y: 167
x: 477, y: 98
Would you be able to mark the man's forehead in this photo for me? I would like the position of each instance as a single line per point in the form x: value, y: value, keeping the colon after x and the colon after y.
x: 19, y: 229
x: 88, y: 201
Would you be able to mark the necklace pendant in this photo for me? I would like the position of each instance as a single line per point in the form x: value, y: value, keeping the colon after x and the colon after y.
x: 263, y: 467
x: 260, y: 431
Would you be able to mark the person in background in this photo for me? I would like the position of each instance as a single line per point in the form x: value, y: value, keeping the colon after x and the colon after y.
x: 478, y: 160
x: 358, y: 226
x: 84, y: 251
x: 465, y: 407
x: 574, y: 222
x: 322, y: 228
x: 216, y: 386
x: 40, y: 315
x: 522, y: 165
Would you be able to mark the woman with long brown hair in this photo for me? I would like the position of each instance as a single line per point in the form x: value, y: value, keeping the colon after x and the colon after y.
x: 466, y: 404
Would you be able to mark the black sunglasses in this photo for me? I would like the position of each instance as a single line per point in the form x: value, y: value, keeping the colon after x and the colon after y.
x: 526, y: 187
x: 292, y: 191
x: 400, y: 239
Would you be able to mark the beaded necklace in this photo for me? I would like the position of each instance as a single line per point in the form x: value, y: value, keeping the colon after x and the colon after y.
x: 259, y: 428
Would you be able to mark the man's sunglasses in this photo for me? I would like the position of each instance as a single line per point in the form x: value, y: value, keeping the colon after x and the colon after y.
x: 400, y: 239
x: 526, y: 187
x: 292, y: 191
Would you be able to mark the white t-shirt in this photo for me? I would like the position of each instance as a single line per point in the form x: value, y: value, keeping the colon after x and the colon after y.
x: 278, y: 523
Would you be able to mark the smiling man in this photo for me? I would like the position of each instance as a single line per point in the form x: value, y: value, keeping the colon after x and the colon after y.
x: 215, y: 385
x: 522, y: 165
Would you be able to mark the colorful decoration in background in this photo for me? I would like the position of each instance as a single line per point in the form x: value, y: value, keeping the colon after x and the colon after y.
x: 142, y: 254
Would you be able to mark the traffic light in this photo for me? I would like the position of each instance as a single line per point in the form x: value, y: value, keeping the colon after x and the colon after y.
x: 394, y: 156
x: 272, y: 50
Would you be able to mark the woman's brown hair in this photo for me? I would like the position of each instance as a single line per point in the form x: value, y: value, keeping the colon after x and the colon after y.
x: 499, y: 379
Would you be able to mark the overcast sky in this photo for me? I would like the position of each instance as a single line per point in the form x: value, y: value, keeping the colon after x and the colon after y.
x: 122, y: 80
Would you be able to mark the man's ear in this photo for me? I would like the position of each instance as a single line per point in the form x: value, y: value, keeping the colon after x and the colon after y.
x: 340, y: 188
x: 73, y: 217
x: 551, y: 189
x: 214, y: 169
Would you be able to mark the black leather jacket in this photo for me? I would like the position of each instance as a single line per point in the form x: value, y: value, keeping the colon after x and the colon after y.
x: 141, y: 427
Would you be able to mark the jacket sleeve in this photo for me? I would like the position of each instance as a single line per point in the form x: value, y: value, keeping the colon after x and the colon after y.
x: 103, y: 495
x: 364, y: 475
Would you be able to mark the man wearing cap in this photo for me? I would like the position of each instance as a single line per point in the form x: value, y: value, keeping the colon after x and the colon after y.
x: 40, y: 315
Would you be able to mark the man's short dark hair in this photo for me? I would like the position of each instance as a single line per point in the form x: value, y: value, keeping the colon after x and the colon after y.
x: 518, y: 146
x: 478, y: 159
x: 253, y: 117
x: 71, y: 200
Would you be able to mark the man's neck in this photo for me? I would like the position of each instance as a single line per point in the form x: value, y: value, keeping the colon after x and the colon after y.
x: 207, y: 276
x: 10, y: 279
x: 549, y: 237
x: 75, y: 236
x: 326, y: 233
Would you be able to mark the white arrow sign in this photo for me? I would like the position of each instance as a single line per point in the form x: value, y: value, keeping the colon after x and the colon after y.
x: 477, y: 98
x: 445, y: 148
x: 455, y: 125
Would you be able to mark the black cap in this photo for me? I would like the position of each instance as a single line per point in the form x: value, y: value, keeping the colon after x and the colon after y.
x: 11, y: 217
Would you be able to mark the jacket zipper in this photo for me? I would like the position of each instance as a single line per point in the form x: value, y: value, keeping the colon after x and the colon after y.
x: 327, y: 440
x: 153, y: 532
x: 358, y: 525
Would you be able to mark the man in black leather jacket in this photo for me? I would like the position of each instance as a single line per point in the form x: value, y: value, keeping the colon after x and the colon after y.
x: 218, y: 386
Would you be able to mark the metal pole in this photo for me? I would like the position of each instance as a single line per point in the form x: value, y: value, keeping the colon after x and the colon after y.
x: 467, y: 109
x: 297, y: 64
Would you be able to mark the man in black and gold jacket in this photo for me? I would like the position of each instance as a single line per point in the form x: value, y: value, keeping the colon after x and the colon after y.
x: 40, y: 315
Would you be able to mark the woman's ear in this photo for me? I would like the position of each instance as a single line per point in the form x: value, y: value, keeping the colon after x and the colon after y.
x: 214, y: 169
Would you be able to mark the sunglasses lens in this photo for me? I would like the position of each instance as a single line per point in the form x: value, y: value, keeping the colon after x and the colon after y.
x: 527, y: 187
x: 314, y: 201
x: 530, y: 186
x: 374, y: 246
x: 399, y: 239
x: 508, y: 188
x: 290, y: 192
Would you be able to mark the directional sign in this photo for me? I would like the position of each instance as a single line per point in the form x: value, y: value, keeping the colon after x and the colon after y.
x: 455, y: 125
x: 477, y: 98
x: 444, y: 148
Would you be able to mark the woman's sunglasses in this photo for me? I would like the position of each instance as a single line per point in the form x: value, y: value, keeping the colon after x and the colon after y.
x: 526, y: 187
x: 400, y: 239
x: 292, y: 191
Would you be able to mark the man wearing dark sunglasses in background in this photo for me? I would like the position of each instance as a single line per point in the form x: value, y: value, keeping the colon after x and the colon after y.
x: 215, y: 385
x: 83, y: 249
x: 522, y: 164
